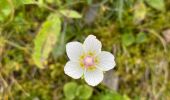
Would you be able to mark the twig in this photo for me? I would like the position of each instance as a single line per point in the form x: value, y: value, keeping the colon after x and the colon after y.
x: 160, y: 38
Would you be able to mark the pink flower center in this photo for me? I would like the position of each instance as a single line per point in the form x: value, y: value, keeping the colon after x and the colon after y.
x: 88, y: 61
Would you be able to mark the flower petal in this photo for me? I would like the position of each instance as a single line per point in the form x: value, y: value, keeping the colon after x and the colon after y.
x: 74, y: 50
x: 93, y: 77
x: 92, y: 44
x: 73, y: 69
x: 106, y: 61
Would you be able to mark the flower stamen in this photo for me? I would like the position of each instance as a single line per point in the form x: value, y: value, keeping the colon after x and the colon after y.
x: 88, y: 61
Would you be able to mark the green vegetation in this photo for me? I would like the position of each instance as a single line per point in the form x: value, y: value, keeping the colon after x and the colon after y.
x: 33, y: 35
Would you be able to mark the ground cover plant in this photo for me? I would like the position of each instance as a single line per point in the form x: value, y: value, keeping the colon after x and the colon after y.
x: 34, y: 34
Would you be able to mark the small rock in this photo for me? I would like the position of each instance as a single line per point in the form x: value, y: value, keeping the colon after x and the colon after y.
x: 111, y: 80
x: 91, y: 14
x: 166, y: 34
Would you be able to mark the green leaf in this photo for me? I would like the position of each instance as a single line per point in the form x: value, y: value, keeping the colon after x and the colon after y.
x: 20, y: 3
x: 70, y: 13
x: 89, y: 2
x: 126, y: 97
x: 106, y: 97
x: 128, y: 39
x: 41, y: 2
x: 28, y: 1
x: 110, y: 96
x: 141, y: 37
x: 84, y: 92
x: 46, y: 39
x: 157, y: 4
x: 49, y: 1
x: 139, y: 12
x: 59, y: 49
x: 70, y: 90
x: 117, y: 96
x: 5, y: 9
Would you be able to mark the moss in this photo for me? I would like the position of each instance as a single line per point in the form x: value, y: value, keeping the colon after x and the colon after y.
x: 142, y: 67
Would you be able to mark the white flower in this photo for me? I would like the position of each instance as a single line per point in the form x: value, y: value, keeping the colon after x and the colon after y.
x: 87, y: 59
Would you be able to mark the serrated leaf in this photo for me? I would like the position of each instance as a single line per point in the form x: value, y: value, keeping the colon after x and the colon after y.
x: 70, y: 13
x: 157, y: 4
x: 46, y: 39
x: 70, y: 90
x: 84, y: 92
x: 128, y: 39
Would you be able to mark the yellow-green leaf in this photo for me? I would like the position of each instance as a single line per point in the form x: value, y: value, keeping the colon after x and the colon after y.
x: 5, y: 9
x: 157, y: 4
x: 45, y: 40
x: 70, y: 90
x: 139, y: 12
x: 70, y: 13
x: 28, y: 1
x: 84, y: 92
